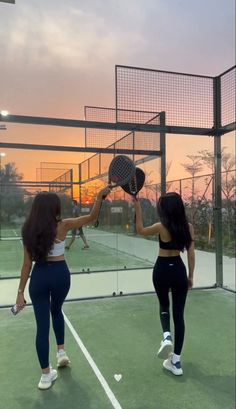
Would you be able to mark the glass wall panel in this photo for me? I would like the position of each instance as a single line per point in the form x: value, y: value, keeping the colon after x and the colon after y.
x: 228, y: 167
x: 190, y: 164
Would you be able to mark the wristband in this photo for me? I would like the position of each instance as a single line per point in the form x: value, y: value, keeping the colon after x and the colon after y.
x: 20, y: 291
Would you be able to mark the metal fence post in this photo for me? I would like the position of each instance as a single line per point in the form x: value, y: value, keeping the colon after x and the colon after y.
x: 217, y: 181
x: 163, y: 154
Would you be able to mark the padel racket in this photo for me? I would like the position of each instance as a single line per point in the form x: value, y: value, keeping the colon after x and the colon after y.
x: 136, y: 183
x: 120, y: 172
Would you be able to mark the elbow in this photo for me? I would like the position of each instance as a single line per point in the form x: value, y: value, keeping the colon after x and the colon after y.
x: 139, y: 230
x: 90, y: 218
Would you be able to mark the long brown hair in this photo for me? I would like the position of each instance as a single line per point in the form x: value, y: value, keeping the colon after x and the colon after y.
x: 173, y: 217
x: 40, y: 228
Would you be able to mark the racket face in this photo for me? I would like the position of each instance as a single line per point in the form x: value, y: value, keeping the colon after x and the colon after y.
x: 136, y: 183
x: 121, y: 170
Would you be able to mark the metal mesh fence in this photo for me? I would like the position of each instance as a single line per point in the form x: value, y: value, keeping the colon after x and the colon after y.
x: 187, y: 100
x: 228, y: 97
x: 198, y: 196
x: 101, y: 137
x: 16, y: 200
x: 63, y: 183
x: 49, y: 171
x: 104, y: 137
x: 48, y: 174
x: 94, y: 166
x: 148, y: 140
x: 97, y: 166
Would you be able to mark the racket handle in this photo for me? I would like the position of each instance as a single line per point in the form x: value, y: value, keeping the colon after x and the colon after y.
x: 96, y: 224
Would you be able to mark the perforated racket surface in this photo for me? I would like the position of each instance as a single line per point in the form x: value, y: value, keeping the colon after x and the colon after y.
x: 136, y: 183
x: 120, y: 172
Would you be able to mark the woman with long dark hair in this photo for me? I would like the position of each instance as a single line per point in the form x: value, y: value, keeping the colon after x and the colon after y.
x: 169, y: 273
x: 44, y: 233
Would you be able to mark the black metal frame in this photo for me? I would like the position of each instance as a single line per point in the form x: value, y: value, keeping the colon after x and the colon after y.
x: 216, y: 131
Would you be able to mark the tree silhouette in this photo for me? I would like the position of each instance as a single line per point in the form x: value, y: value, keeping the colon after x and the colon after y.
x: 193, y: 168
x: 11, y: 194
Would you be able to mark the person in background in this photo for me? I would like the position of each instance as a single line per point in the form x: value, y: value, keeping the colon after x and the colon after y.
x: 44, y: 233
x: 75, y: 232
x: 169, y: 273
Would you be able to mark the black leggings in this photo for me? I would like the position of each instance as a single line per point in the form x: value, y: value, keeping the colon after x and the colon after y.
x: 169, y: 273
x: 48, y: 288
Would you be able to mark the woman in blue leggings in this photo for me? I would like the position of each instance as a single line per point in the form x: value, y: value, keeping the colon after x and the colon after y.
x: 169, y: 273
x: 44, y: 233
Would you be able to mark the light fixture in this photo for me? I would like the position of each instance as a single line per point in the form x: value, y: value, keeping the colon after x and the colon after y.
x: 2, y: 154
x: 4, y: 112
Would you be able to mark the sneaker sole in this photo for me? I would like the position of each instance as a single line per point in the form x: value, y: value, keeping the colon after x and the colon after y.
x: 63, y: 362
x: 165, y: 351
x: 170, y: 369
x: 43, y: 388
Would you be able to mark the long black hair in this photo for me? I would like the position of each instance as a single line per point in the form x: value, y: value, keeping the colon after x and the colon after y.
x: 173, y: 217
x: 40, y: 227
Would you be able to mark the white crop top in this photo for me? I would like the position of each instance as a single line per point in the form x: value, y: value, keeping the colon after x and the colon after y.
x: 58, y: 249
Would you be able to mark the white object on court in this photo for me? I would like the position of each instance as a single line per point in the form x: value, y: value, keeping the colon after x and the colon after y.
x: 118, y: 377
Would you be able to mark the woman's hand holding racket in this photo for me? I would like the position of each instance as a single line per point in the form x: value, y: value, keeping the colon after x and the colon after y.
x: 120, y: 172
x: 135, y: 185
x: 102, y: 194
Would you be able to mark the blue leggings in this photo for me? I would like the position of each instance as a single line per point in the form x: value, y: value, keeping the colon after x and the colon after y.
x: 48, y: 288
x: 169, y: 273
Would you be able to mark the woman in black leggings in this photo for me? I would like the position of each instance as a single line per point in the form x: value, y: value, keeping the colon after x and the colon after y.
x: 169, y: 273
x: 44, y: 234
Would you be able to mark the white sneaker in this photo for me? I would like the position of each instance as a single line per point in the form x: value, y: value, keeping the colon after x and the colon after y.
x: 62, y: 358
x: 166, y: 348
x: 174, y: 368
x: 46, y: 380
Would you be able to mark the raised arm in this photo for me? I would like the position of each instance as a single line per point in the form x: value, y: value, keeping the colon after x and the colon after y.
x: 191, y: 257
x: 144, y: 231
x: 77, y: 222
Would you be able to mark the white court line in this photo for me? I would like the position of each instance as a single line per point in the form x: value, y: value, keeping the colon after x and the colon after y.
x: 102, y: 380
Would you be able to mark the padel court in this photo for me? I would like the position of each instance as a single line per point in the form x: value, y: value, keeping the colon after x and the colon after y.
x: 112, y: 319
x: 120, y: 336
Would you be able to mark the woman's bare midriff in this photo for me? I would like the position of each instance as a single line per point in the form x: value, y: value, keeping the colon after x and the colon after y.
x: 168, y: 253
x: 56, y: 258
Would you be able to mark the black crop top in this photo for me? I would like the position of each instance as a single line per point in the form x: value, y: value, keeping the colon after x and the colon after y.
x: 168, y: 245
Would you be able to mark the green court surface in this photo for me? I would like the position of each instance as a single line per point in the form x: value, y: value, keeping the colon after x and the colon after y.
x: 122, y: 335
x: 98, y: 257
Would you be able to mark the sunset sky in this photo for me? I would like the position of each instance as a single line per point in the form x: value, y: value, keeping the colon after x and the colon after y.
x: 59, y: 56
